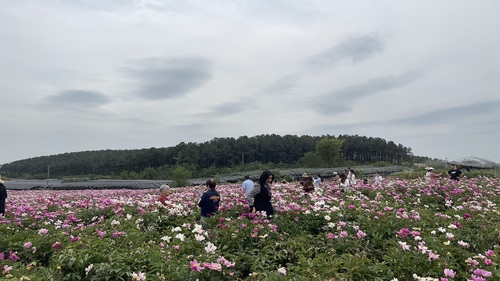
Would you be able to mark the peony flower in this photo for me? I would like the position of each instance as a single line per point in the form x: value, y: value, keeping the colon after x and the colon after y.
x: 195, y: 266
x: 88, y: 269
x: 482, y: 272
x: 282, y: 270
x: 449, y: 273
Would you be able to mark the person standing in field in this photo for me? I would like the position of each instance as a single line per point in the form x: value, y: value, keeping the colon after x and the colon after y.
x: 3, y: 196
x: 378, y: 179
x: 164, y: 193
x: 247, y: 185
x: 454, y: 173
x: 259, y: 198
x: 344, y: 183
x: 210, y: 201
x: 431, y: 176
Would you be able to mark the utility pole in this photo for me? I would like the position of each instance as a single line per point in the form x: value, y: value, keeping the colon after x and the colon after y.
x: 242, y: 158
x: 48, y: 174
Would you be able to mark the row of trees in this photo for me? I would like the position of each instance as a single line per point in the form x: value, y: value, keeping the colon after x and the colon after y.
x: 219, y: 153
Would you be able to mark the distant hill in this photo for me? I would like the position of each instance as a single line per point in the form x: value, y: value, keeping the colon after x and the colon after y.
x: 208, y: 157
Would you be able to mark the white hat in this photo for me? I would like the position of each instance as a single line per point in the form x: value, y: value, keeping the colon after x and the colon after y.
x: 429, y: 168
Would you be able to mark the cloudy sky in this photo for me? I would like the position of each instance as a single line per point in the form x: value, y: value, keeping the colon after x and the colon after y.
x: 79, y: 75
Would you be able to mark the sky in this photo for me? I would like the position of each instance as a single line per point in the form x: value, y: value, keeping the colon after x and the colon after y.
x: 82, y: 75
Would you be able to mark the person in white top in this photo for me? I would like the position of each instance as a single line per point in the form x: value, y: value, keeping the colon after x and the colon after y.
x: 352, y: 179
x: 317, y: 181
x: 378, y: 179
x: 247, y: 185
x: 344, y: 183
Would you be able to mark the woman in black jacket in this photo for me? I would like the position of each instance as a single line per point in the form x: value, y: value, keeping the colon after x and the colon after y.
x: 259, y: 198
x: 3, y: 196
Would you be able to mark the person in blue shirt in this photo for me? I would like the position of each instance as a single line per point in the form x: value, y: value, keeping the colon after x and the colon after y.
x: 210, y: 201
x: 247, y: 185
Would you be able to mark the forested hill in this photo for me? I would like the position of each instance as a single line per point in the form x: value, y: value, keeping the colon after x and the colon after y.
x: 218, y: 153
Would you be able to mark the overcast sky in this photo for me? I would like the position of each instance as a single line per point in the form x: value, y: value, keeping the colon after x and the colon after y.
x: 79, y: 75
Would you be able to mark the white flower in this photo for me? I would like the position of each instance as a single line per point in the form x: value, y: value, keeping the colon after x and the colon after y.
x: 89, y: 268
x: 115, y: 222
x: 327, y: 218
x: 138, y: 276
x: 166, y: 239
x: 199, y: 237
x: 463, y: 244
x: 129, y: 216
x: 282, y: 270
x: 442, y: 229
x: 210, y: 248
x: 180, y: 236
x: 452, y: 226
x: 404, y: 246
x: 176, y: 229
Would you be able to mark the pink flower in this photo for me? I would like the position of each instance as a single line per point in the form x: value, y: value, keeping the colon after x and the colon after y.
x: 488, y: 261
x: 57, y: 245
x: 343, y: 234
x: 449, y: 273
x: 360, y: 234
x: 6, y: 269
x: 330, y: 235
x: 403, y: 232
x: 27, y: 245
x: 477, y: 278
x: 195, y: 266
x: 13, y: 256
x: 482, y: 272
x: 467, y: 216
x: 489, y: 253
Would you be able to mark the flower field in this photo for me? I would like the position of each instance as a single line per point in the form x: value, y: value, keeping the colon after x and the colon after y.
x: 405, y: 230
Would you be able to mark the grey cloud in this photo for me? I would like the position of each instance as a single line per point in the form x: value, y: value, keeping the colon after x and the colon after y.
x: 161, y: 78
x: 355, y: 49
x: 344, y: 98
x: 77, y: 99
x: 229, y: 108
x: 283, y: 85
x: 454, y: 114
x: 459, y: 116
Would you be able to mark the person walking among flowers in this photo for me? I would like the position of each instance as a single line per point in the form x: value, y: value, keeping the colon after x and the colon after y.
x: 259, y: 198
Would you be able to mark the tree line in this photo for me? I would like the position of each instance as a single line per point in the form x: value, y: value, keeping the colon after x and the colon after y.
x: 215, y: 156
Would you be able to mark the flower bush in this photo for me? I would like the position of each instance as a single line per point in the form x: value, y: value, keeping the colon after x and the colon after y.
x: 404, y: 230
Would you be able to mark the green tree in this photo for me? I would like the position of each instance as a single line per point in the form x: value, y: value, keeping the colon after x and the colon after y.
x: 180, y: 176
x: 329, y: 150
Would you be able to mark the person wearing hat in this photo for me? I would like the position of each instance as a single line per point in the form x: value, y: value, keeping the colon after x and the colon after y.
x: 307, y: 183
x: 164, y: 193
x: 431, y: 176
x: 3, y: 196
x: 336, y: 178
